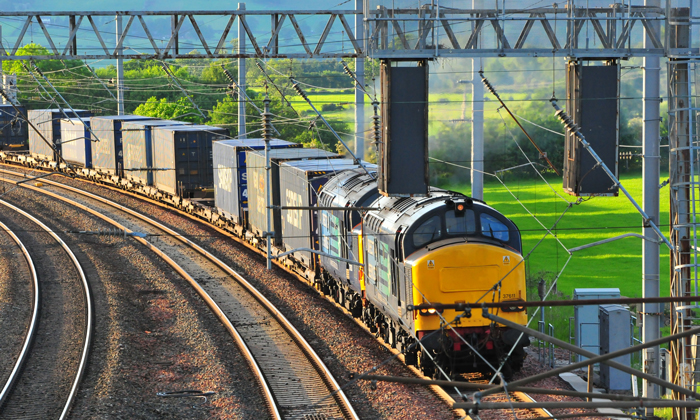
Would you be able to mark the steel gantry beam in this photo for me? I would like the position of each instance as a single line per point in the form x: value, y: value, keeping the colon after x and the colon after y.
x: 431, y: 31
x: 162, y: 34
x: 424, y: 32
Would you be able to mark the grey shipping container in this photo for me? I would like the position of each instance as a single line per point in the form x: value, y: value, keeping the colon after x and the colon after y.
x: 107, y: 150
x: 14, y: 128
x: 257, y: 216
x: 230, y: 177
x: 300, y: 184
x: 76, y: 141
x: 138, y: 150
x: 182, y: 158
x: 48, y: 122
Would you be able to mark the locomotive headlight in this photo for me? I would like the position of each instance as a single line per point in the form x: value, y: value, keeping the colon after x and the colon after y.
x: 430, y: 311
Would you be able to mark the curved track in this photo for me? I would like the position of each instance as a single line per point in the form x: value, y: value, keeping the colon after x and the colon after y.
x: 36, y: 388
x: 34, y: 318
x: 294, y: 379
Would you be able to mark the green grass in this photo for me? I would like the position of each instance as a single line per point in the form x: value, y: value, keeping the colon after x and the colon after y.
x: 617, y: 264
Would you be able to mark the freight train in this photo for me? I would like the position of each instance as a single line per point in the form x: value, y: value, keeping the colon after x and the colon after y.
x: 373, y: 255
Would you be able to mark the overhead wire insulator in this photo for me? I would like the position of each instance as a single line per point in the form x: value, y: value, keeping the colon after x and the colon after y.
x: 565, y: 118
x: 486, y: 83
x: 297, y: 88
x: 266, y: 120
x: 377, y: 123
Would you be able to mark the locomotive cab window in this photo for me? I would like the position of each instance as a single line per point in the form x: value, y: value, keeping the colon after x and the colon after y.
x: 428, y: 232
x: 458, y: 224
x: 493, y: 228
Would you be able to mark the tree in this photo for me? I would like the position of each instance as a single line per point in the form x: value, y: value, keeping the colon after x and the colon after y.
x: 181, y: 110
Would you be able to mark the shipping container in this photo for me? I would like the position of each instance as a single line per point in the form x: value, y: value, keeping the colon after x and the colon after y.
x: 48, y: 122
x: 76, y: 141
x: 14, y: 128
x: 230, y: 177
x: 300, y: 185
x: 182, y: 158
x: 137, y: 144
x: 107, y: 150
x: 257, y: 216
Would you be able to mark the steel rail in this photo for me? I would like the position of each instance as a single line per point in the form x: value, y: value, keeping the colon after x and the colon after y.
x: 203, y: 294
x: 526, y: 399
x: 21, y: 358
x: 88, y: 306
x: 315, y: 360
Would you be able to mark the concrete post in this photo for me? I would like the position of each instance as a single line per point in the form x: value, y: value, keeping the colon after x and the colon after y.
x: 651, y: 323
x: 359, y: 94
x: 477, y: 164
x: 477, y: 171
x: 120, y: 69
x: 241, y: 77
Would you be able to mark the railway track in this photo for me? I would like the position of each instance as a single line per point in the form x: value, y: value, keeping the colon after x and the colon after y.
x: 512, y: 397
x: 47, y: 372
x: 294, y: 379
x: 11, y: 364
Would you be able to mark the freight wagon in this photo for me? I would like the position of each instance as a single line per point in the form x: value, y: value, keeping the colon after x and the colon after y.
x: 257, y: 216
x: 137, y: 139
x: 76, y: 141
x: 107, y: 151
x: 230, y: 177
x: 182, y: 159
x: 48, y: 122
x: 300, y: 184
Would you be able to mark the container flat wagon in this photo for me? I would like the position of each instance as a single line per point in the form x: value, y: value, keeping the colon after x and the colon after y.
x: 137, y: 139
x: 48, y: 122
x: 230, y: 177
x: 107, y: 150
x: 183, y: 159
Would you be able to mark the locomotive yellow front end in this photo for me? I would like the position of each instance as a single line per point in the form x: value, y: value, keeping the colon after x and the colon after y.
x: 470, y: 273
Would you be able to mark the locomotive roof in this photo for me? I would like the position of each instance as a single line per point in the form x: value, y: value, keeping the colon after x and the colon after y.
x: 397, y: 211
x: 328, y: 164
